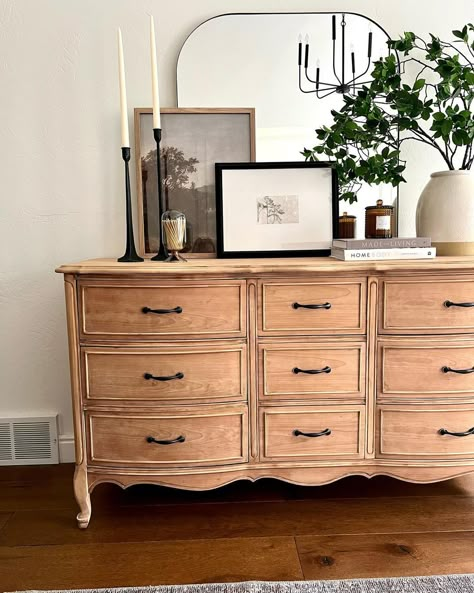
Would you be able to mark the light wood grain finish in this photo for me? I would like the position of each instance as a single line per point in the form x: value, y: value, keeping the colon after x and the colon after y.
x: 417, y: 306
x: 371, y: 365
x: 346, y: 315
x: 210, y: 373
x: 346, y: 438
x: 281, y: 381
x: 217, y: 435
x: 385, y: 338
x: 292, y: 267
x: 413, y: 369
x: 413, y: 431
x: 115, y: 310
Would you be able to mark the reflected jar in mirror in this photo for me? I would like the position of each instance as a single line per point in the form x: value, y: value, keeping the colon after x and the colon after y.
x: 347, y: 226
x: 379, y: 221
x: 173, y: 227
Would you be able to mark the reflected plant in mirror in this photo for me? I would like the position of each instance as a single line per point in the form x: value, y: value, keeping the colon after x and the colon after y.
x: 433, y: 106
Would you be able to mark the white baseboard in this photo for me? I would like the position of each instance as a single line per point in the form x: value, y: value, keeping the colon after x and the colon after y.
x: 66, y: 448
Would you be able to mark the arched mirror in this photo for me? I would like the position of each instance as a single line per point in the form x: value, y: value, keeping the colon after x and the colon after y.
x: 251, y: 60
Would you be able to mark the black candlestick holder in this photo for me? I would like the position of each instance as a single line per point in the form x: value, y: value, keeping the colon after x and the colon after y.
x: 130, y: 254
x: 162, y: 251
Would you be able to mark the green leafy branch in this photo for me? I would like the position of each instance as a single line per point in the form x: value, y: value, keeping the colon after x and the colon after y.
x: 434, y: 108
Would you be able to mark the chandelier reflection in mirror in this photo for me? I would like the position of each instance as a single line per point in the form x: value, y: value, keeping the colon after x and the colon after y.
x: 342, y: 84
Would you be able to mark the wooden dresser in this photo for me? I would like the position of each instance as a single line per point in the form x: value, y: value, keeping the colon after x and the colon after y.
x: 196, y: 374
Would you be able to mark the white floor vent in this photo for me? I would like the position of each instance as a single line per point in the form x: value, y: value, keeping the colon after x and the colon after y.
x: 29, y: 441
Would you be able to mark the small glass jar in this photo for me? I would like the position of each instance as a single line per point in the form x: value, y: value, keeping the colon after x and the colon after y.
x: 347, y: 226
x: 379, y: 221
x: 173, y: 227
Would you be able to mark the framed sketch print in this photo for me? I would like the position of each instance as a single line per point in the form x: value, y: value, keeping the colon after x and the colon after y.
x: 276, y: 209
x: 192, y: 141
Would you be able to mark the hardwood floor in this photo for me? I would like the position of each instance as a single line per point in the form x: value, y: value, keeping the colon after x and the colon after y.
x: 264, y: 531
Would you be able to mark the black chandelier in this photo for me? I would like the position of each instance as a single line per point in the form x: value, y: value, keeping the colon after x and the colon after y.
x: 341, y: 85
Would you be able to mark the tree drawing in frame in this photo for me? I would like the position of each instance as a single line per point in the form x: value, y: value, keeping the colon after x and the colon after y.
x: 192, y: 141
x: 181, y: 193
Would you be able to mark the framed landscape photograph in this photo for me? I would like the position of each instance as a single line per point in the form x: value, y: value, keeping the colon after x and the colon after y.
x: 276, y: 209
x: 193, y: 140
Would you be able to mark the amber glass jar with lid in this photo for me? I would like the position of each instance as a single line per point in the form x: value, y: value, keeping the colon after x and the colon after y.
x: 347, y: 226
x: 379, y: 221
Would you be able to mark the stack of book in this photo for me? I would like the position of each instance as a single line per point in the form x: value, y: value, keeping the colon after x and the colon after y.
x: 377, y: 249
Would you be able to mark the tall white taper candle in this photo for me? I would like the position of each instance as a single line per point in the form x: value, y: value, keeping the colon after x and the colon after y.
x: 154, y: 77
x: 123, y: 94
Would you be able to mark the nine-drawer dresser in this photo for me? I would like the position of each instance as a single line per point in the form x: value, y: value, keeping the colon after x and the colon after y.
x: 197, y: 374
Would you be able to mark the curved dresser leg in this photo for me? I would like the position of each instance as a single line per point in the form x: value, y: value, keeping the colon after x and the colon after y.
x: 81, y: 492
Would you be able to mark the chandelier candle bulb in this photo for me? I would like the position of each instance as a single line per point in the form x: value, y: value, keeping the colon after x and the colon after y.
x: 154, y: 77
x: 341, y: 83
x: 123, y: 94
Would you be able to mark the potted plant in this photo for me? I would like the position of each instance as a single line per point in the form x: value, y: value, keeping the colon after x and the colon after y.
x: 426, y: 96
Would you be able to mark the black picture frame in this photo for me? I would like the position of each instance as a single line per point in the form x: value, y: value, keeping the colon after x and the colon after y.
x: 222, y: 167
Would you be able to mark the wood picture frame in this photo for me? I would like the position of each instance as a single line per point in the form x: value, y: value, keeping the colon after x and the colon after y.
x: 222, y: 122
x: 300, y: 200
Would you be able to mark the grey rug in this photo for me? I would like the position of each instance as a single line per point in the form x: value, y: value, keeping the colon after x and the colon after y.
x: 435, y: 584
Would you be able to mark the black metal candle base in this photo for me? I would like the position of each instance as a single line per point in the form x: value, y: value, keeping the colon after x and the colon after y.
x: 162, y: 254
x: 130, y: 254
x: 175, y: 256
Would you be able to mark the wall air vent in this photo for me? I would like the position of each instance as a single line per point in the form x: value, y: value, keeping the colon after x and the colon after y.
x: 29, y: 441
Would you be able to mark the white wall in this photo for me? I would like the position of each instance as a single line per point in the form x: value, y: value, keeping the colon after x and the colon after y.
x: 61, y: 174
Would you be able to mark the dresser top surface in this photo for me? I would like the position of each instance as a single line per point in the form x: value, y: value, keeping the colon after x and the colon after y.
x: 208, y: 266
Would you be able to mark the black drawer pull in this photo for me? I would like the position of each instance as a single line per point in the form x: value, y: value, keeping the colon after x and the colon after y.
x: 162, y: 311
x: 459, y: 371
x: 468, y: 433
x: 149, y: 376
x: 296, y: 370
x: 451, y: 304
x: 321, y: 306
x: 179, y: 439
x: 324, y: 433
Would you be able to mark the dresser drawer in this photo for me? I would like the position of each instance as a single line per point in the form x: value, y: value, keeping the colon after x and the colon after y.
x: 414, y: 369
x: 131, y: 310
x: 328, y: 432
x: 419, y: 432
x: 296, y: 307
x: 210, y: 436
x: 443, y: 306
x: 319, y: 371
x: 166, y: 374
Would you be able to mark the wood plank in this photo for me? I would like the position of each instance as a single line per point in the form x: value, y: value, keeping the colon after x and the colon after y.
x: 398, y: 554
x: 36, y: 487
x: 127, y: 564
x: 210, y: 521
x: 3, y: 519
x: 261, y: 266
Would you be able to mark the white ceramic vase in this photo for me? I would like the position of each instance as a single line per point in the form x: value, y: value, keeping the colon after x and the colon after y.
x: 445, y: 212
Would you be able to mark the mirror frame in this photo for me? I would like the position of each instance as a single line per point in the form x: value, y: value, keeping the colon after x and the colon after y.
x: 325, y: 12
